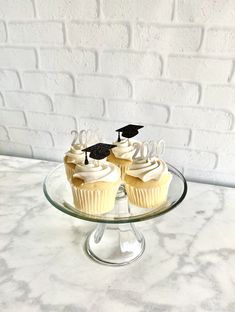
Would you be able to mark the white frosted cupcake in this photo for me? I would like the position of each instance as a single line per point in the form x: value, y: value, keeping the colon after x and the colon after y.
x: 122, y: 154
x: 94, y: 187
x: 147, y: 182
x: 74, y: 156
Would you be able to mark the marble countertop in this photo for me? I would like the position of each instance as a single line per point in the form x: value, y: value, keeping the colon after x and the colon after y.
x: 188, y: 264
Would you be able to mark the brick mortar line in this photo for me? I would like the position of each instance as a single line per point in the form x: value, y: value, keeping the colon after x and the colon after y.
x: 231, y: 75
x: 208, y: 56
x: 2, y: 94
x: 18, y: 73
x: 98, y: 62
x: 100, y: 14
x: 187, y: 148
x: 38, y: 59
x: 35, y: 9
x: 69, y: 46
x: 190, y: 140
x: 6, y: 32
x: 201, y: 93
x: 202, y: 41
x: 105, y: 109
x: 65, y: 35
x: 7, y: 132
x: 202, y: 108
x: 52, y: 138
x: 174, y: 11
x: 97, y: 20
x: 26, y: 118
x: 131, y: 40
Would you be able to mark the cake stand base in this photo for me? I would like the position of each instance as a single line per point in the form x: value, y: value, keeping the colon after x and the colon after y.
x: 115, y: 244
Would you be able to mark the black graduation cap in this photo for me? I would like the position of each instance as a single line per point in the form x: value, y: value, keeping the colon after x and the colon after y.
x: 128, y: 131
x: 98, y: 151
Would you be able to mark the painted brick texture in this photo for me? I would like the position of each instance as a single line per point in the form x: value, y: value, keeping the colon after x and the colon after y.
x: 98, y: 35
x: 148, y: 10
x: 67, y: 9
x: 3, y: 34
x: 41, y: 33
x: 167, y: 64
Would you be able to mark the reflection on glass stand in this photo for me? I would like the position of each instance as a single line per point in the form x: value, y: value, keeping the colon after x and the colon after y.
x: 116, y: 244
x: 115, y: 241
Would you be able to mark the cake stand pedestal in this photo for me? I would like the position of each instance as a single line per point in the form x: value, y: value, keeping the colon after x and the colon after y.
x: 115, y: 244
x: 115, y: 241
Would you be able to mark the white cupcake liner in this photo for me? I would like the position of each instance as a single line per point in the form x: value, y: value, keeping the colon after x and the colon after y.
x: 148, y: 197
x: 123, y: 169
x: 94, y: 201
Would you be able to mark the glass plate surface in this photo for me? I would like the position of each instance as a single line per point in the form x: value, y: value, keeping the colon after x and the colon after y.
x: 58, y: 192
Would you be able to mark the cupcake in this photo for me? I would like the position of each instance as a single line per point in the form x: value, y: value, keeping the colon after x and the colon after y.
x: 125, y: 149
x: 74, y: 156
x: 122, y: 154
x: 94, y: 186
x: 147, y: 182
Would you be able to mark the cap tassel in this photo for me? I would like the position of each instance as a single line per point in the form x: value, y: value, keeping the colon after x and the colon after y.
x: 86, y: 159
x: 119, y: 137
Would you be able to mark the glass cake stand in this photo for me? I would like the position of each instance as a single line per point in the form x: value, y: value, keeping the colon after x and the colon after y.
x: 115, y: 241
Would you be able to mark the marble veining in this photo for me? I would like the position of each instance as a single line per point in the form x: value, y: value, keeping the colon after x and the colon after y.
x: 188, y: 264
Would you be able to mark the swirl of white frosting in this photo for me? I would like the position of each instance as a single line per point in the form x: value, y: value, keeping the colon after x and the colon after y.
x: 93, y: 172
x: 75, y: 155
x: 124, y: 149
x: 151, y: 169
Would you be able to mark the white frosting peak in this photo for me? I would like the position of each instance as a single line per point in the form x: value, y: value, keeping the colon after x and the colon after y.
x: 124, y: 149
x: 151, y: 169
x: 75, y: 154
x: 94, y: 172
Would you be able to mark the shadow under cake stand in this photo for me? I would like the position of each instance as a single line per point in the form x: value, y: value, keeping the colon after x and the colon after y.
x: 115, y: 241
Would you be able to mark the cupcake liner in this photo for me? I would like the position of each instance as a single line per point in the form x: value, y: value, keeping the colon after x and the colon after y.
x: 94, y: 201
x: 123, y: 169
x: 148, y: 197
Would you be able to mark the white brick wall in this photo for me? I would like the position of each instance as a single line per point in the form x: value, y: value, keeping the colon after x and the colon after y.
x: 199, y: 68
x: 202, y: 118
x: 206, y: 11
x: 12, y: 118
x: 28, y: 101
x: 220, y: 41
x: 19, y: 58
x: 68, y: 9
x: 98, y: 35
x: 167, y: 39
x: 3, y: 34
x: 167, y: 64
x: 75, y: 61
x: 3, y: 134
x: 16, y: 9
x: 166, y: 91
x: 131, y: 63
x: 27, y: 33
x: 150, y: 10
x: 1, y: 100
x: 48, y: 82
x: 103, y: 86
x: 9, y: 80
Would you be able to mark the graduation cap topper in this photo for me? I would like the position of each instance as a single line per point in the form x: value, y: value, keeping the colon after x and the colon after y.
x: 98, y: 151
x: 128, y: 131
